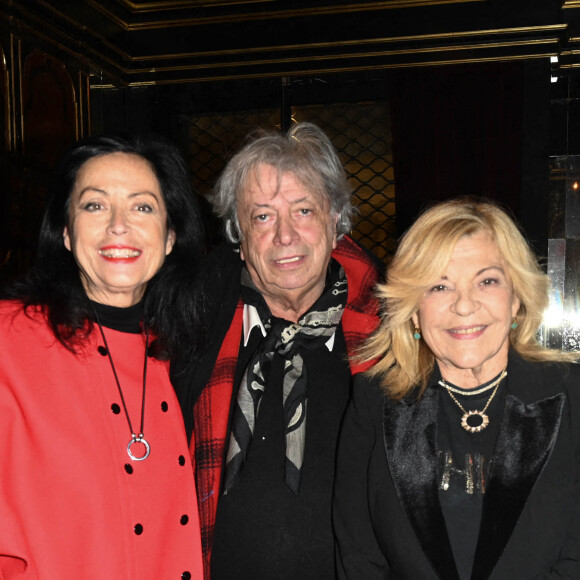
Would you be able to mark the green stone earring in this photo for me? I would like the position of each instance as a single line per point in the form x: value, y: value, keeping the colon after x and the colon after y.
x: 514, y: 323
x: 417, y: 334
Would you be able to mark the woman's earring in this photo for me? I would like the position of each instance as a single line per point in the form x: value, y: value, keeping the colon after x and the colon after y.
x: 417, y: 334
x: 514, y: 323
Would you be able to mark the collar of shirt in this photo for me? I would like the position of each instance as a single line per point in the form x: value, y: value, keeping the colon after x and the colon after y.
x: 252, y: 320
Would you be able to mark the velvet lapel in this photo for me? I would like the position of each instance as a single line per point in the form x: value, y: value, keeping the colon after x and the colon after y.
x: 525, y: 442
x: 410, y: 443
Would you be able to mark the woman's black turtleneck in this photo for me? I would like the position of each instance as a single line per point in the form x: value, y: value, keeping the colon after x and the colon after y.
x: 121, y: 319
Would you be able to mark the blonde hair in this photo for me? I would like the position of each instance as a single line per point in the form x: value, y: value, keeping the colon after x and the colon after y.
x: 422, y: 256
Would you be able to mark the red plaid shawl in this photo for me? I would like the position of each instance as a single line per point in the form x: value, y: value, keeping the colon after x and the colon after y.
x: 211, y: 412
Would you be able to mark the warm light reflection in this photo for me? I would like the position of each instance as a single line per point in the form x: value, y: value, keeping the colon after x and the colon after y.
x: 553, y: 316
x: 560, y: 324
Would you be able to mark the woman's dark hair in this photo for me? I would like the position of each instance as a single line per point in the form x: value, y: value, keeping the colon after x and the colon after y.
x: 172, y: 306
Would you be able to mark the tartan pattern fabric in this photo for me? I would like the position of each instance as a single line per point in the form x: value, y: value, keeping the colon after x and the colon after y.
x: 207, y: 445
x: 212, y: 409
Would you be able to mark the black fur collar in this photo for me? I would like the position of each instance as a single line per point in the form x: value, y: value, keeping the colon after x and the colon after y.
x: 529, y: 429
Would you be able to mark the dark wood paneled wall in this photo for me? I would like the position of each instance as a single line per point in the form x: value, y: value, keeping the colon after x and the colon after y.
x: 44, y: 100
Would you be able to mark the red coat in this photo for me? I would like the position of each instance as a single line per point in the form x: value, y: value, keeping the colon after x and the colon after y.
x: 72, y: 503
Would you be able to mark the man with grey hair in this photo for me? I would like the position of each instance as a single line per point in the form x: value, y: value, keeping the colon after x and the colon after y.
x: 290, y: 300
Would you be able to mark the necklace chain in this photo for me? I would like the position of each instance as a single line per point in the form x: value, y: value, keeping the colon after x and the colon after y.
x: 135, y: 438
x: 475, y: 413
x: 469, y: 392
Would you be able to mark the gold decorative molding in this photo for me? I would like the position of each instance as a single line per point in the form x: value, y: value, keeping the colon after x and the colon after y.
x: 310, y: 72
x: 64, y: 17
x: 291, y: 13
x: 351, y: 56
x: 181, y: 4
x: 313, y: 46
x: 67, y: 50
x: 49, y: 32
x: 116, y: 48
x: 155, y: 7
x: 138, y: 7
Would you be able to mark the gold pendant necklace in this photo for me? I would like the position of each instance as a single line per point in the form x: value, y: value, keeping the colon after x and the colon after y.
x: 481, y: 415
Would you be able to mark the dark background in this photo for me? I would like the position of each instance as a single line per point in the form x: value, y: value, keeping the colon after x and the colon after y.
x: 424, y: 99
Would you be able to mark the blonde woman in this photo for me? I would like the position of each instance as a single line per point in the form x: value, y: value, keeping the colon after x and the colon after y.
x: 460, y: 452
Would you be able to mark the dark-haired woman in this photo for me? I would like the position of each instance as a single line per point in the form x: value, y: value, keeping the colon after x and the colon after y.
x: 95, y: 476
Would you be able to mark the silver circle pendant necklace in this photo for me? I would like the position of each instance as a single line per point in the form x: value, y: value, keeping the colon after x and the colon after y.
x: 135, y: 438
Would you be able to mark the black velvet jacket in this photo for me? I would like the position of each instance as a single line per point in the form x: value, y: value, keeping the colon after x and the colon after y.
x: 387, y: 514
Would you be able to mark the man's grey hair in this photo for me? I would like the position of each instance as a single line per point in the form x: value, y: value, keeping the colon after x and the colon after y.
x: 306, y: 153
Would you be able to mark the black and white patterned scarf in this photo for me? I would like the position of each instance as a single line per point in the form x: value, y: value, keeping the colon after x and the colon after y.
x: 288, y: 339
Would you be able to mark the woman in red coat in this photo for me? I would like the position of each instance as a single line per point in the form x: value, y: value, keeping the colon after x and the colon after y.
x: 95, y: 476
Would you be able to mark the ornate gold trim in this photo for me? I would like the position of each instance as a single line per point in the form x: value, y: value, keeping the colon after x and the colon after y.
x: 257, y: 16
x: 352, y: 55
x: 116, y: 71
x: 96, y: 53
x: 138, y: 7
x: 179, y: 4
x: 362, y: 42
x: 80, y: 56
x: 74, y: 24
x: 291, y: 13
x: 310, y: 72
x: 144, y: 7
